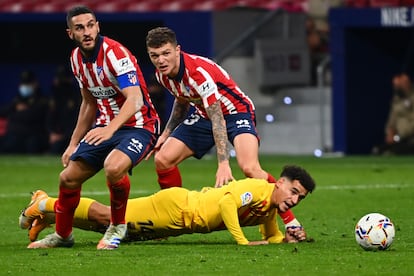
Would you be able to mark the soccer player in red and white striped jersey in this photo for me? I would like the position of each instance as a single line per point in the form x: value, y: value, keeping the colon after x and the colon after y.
x: 223, y: 113
x: 117, y: 127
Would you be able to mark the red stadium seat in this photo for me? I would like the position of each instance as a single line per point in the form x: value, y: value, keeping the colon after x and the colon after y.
x: 357, y: 3
x: 143, y: 6
x: 177, y: 5
x: 384, y: 3
x: 47, y: 6
x: 407, y: 3
x: 17, y: 7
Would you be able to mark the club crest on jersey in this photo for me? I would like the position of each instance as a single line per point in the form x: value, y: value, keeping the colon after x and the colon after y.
x: 99, y: 70
x: 132, y: 78
x: 246, y: 198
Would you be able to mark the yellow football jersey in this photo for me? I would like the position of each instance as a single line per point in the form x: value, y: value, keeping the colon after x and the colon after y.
x: 177, y: 211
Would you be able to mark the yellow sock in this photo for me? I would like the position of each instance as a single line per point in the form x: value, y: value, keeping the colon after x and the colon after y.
x: 50, y: 205
x: 81, y: 219
x: 82, y: 210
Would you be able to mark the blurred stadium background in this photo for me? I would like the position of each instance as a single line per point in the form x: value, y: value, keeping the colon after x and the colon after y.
x: 327, y: 97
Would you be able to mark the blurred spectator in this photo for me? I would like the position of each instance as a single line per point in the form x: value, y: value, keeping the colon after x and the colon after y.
x: 399, y: 129
x: 63, y: 110
x: 26, y: 119
x: 317, y: 40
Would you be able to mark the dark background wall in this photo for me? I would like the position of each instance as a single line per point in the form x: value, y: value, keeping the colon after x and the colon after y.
x: 39, y: 41
x: 366, y: 53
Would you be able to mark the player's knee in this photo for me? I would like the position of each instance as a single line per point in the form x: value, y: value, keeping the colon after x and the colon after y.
x: 161, y: 162
x: 251, y: 171
x: 114, y: 171
x: 66, y: 180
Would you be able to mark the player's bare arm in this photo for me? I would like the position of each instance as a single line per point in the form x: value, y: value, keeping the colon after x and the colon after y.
x: 224, y: 174
x: 86, y: 118
x: 132, y: 104
x: 178, y: 114
x: 258, y: 243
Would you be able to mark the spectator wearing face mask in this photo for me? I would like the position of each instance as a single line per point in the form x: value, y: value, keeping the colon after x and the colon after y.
x: 26, y: 119
x: 63, y: 109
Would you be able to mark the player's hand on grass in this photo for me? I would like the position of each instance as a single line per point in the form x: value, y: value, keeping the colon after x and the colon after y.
x: 258, y: 243
x: 224, y: 174
x: 294, y: 234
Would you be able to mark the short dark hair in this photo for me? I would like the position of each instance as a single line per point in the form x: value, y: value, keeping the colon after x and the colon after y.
x: 159, y: 36
x: 77, y: 10
x: 293, y: 172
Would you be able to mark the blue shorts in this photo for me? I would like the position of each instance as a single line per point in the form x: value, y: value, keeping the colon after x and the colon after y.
x: 197, y: 134
x: 134, y: 142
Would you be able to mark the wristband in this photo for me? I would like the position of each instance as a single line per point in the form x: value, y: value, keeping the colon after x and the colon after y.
x: 293, y: 224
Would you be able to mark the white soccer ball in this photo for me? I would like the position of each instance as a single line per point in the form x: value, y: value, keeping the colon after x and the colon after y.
x: 374, y: 231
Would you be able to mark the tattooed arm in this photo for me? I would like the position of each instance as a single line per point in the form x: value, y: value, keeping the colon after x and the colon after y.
x: 224, y: 174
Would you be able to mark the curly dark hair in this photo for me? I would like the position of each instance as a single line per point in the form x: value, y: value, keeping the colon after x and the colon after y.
x: 293, y: 172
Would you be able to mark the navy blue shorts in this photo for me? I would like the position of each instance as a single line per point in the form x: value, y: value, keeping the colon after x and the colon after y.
x: 196, y: 132
x: 134, y: 142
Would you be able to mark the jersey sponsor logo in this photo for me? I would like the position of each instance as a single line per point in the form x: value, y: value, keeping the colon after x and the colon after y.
x: 243, y: 123
x: 123, y: 62
x: 102, y: 92
x: 207, y: 88
x: 246, y: 198
x: 135, y: 145
x: 125, y: 65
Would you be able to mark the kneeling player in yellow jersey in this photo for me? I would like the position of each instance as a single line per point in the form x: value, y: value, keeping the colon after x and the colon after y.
x: 177, y: 211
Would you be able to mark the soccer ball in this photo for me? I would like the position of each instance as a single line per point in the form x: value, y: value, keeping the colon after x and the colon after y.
x: 374, y: 231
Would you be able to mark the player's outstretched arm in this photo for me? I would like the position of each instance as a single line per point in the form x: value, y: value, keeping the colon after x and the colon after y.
x: 258, y: 243
x: 228, y: 211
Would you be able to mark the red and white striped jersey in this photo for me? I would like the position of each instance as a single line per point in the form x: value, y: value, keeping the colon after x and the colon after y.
x: 99, y: 75
x: 203, y: 82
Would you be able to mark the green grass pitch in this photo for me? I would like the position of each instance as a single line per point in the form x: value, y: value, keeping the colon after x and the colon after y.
x: 347, y: 188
